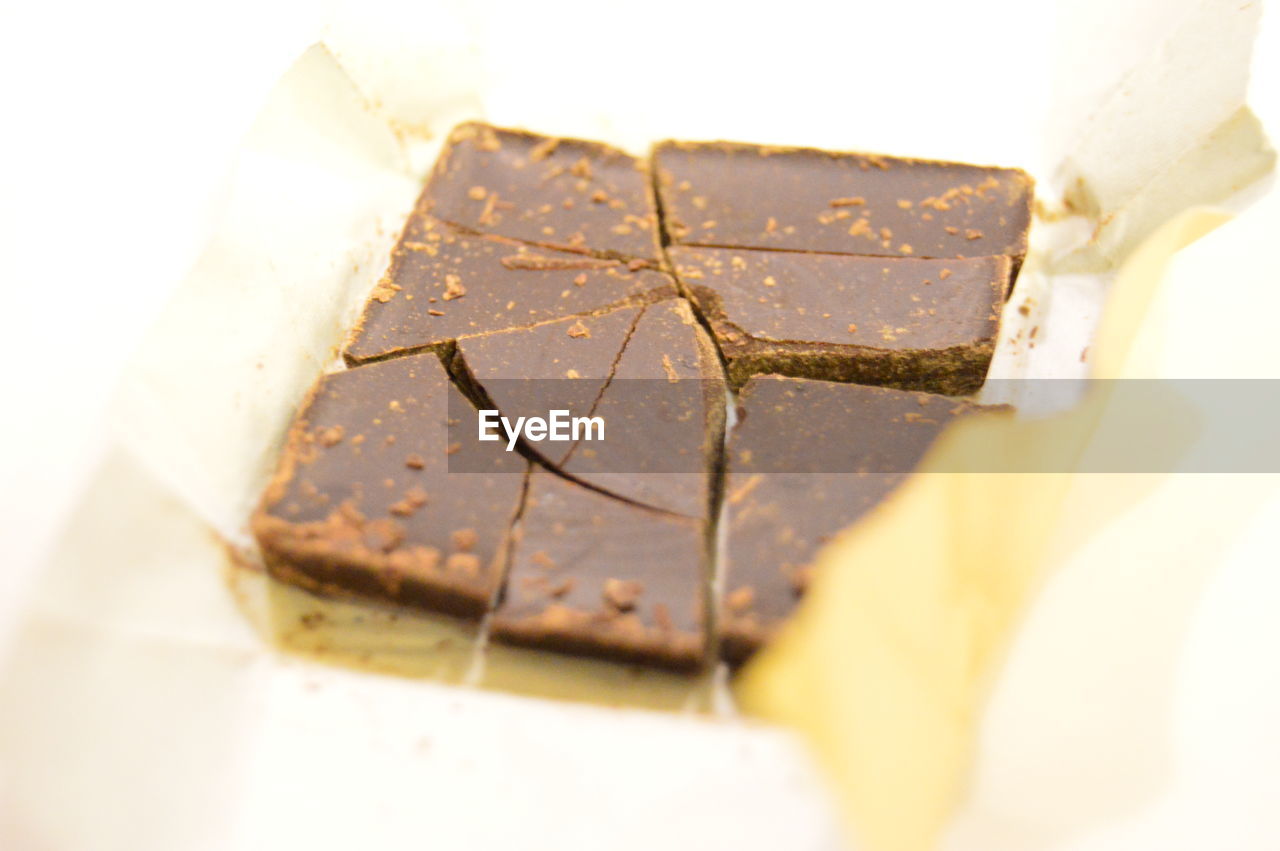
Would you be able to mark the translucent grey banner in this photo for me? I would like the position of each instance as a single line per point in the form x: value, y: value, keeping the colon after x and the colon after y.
x: 776, y: 425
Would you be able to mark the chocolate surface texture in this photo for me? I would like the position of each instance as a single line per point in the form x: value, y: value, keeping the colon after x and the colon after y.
x: 802, y: 199
x: 921, y: 324
x: 538, y: 273
x: 593, y: 574
x: 569, y: 194
x: 363, y: 502
x: 444, y: 285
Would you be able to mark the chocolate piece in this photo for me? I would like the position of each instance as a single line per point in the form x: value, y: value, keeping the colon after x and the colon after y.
x: 363, y: 502
x: 561, y: 193
x: 803, y: 199
x: 920, y: 324
x: 664, y: 410
x: 807, y: 460
x: 593, y: 575
x: 563, y: 365
x: 650, y: 373
x: 443, y: 285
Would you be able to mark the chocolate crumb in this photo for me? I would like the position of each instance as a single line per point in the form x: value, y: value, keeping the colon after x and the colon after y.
x: 464, y: 539
x: 384, y: 534
x: 741, y: 599
x: 466, y: 563
x: 414, y: 498
x: 331, y: 436
x: 622, y: 594
x: 748, y: 486
x: 543, y: 149
x: 453, y: 288
x: 561, y: 588
x: 385, y: 291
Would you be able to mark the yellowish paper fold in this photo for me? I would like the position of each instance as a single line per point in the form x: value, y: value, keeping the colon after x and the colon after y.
x: 885, y: 667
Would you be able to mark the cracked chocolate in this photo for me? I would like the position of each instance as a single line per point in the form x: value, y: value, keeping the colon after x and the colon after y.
x: 541, y: 274
x: 649, y: 372
x: 443, y: 285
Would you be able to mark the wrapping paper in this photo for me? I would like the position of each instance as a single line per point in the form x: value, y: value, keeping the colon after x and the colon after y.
x: 145, y: 710
x: 926, y: 617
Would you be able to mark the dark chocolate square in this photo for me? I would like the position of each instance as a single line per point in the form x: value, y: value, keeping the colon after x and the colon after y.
x: 363, y: 502
x: 907, y: 323
x: 568, y: 194
x: 804, y: 199
x: 595, y: 575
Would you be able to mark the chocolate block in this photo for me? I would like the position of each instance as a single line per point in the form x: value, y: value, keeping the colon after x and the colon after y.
x: 363, y: 502
x: 908, y: 323
x: 568, y: 194
x: 803, y: 199
x: 649, y: 372
x: 443, y: 285
x: 807, y: 459
x: 665, y: 406
x: 593, y: 575
x: 536, y: 268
